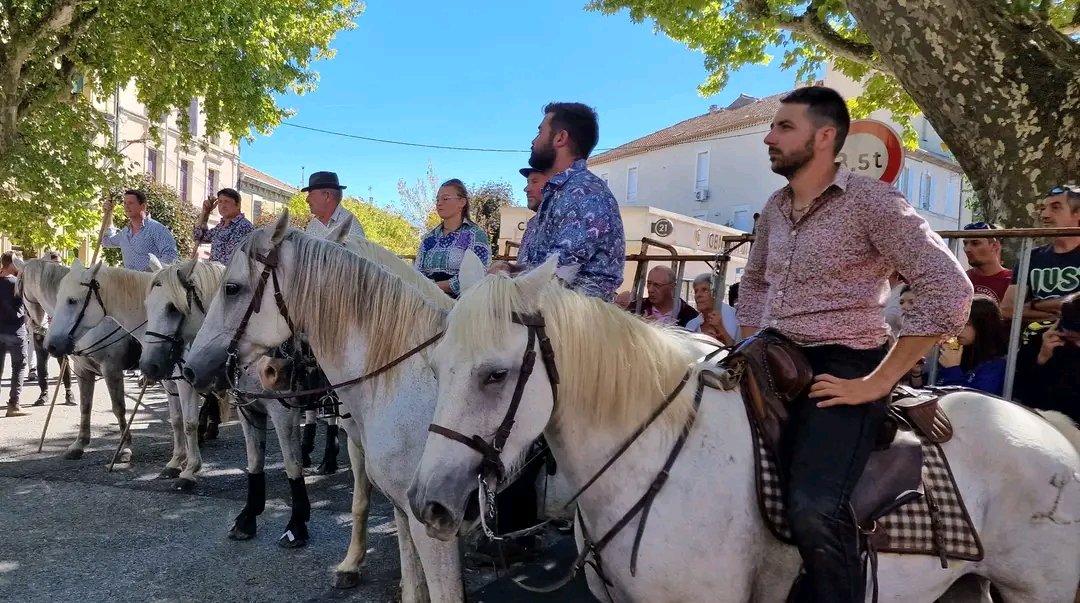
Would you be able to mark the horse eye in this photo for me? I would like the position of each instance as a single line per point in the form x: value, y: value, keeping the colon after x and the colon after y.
x: 72, y: 301
x: 171, y: 309
x: 496, y: 377
x: 232, y: 288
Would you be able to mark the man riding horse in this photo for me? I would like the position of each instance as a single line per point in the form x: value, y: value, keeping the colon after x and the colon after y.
x: 817, y: 274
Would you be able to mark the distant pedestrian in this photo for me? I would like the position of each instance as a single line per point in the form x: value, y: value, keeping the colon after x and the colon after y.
x: 13, y: 332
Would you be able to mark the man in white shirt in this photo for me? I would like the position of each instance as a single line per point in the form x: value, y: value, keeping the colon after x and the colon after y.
x: 324, y: 199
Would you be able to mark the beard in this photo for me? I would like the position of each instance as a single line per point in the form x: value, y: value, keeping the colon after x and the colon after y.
x: 789, y: 164
x: 542, y: 158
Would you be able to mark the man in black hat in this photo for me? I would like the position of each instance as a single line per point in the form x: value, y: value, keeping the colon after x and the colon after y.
x: 324, y: 199
x: 534, y: 188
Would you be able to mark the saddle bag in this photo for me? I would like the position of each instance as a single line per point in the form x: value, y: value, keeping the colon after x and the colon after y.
x: 774, y: 373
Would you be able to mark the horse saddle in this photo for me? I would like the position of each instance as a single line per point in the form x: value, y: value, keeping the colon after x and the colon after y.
x: 773, y: 374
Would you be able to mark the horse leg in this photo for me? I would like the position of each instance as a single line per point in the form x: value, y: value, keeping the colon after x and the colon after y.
x: 441, y: 562
x: 86, y: 404
x: 254, y: 427
x: 179, y: 453
x: 286, y: 424
x: 968, y: 589
x: 347, y: 573
x: 114, y: 382
x: 413, y: 585
x: 189, y: 408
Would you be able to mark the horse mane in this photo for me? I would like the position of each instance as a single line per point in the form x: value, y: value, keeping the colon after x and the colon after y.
x: 123, y: 291
x: 335, y: 287
x: 371, y: 250
x: 205, y: 276
x: 615, y: 369
x: 41, y: 278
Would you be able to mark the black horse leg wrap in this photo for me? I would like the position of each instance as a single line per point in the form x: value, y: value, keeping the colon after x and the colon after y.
x: 301, y: 506
x: 256, y: 494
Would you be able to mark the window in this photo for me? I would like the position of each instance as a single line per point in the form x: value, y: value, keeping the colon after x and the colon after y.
x: 152, y: 164
x: 952, y: 199
x: 926, y: 191
x: 702, y: 180
x: 741, y: 218
x: 631, y: 185
x: 193, y: 117
x: 211, y: 182
x: 185, y: 180
x: 904, y: 183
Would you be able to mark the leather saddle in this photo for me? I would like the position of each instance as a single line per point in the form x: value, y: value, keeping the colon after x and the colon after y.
x: 773, y: 374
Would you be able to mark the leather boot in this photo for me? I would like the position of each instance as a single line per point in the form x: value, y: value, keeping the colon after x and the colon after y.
x: 307, y: 443
x: 329, y: 462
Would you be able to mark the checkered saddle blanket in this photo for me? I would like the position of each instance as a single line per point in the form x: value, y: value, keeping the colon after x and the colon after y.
x: 935, y: 524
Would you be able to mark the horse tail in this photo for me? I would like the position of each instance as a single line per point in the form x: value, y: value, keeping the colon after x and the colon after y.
x: 1064, y: 425
x: 225, y: 407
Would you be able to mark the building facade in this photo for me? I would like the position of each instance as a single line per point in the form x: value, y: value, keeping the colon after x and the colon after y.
x: 715, y: 167
x: 261, y: 193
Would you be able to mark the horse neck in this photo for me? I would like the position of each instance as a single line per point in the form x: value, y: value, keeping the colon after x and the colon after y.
x: 131, y: 312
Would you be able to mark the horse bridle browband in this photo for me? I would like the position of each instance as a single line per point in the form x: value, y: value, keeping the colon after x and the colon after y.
x: 491, y: 465
x: 270, y: 263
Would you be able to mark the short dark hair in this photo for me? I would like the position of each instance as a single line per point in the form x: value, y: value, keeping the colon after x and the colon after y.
x: 139, y: 195
x: 580, y: 122
x: 7, y: 259
x: 825, y: 107
x: 230, y: 193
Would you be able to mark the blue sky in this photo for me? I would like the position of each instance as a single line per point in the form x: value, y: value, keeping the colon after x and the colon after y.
x: 477, y: 75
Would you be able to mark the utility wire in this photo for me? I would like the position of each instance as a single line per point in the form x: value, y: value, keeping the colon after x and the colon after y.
x: 487, y: 150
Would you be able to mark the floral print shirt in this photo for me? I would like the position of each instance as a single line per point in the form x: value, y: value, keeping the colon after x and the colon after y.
x: 224, y: 238
x: 439, y: 257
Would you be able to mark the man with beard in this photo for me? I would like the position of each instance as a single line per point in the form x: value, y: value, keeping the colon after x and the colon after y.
x: 578, y: 218
x: 818, y: 274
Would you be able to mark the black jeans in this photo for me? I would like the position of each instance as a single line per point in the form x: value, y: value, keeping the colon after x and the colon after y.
x: 42, y: 357
x: 824, y: 453
x: 16, y: 346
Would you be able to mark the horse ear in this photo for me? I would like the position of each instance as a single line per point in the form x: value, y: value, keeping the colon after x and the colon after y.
x: 77, y: 264
x: 533, y: 282
x: 155, y: 263
x: 340, y: 232
x: 280, y: 226
x: 472, y: 270
x: 96, y: 268
x: 568, y: 273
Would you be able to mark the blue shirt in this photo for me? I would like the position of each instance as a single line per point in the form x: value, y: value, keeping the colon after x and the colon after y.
x: 988, y: 377
x: 439, y: 257
x: 153, y: 238
x: 579, y: 220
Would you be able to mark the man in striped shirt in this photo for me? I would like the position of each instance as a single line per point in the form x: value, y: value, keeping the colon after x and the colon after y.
x: 141, y: 237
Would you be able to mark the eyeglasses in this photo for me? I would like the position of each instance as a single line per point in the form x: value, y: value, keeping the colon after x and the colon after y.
x: 445, y: 199
x: 980, y: 226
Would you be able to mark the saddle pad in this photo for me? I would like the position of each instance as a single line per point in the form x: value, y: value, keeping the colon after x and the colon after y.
x: 908, y: 529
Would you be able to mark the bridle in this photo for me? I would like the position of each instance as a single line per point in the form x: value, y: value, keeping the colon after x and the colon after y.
x: 93, y: 291
x: 270, y: 262
x: 175, y: 341
x: 491, y: 467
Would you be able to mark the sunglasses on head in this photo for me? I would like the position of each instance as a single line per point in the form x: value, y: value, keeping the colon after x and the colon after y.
x: 980, y: 226
x: 1071, y: 189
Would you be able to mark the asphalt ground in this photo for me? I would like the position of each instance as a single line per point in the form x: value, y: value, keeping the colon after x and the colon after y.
x: 71, y: 531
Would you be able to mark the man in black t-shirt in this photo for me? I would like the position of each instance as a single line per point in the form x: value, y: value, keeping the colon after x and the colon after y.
x: 1055, y: 268
x: 13, y: 336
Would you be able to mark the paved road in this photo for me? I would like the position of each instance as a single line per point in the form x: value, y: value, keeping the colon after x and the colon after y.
x: 73, y: 532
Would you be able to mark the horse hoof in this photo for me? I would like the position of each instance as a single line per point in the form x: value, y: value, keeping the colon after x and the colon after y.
x: 346, y: 579
x: 184, y: 484
x: 237, y: 534
x: 169, y: 473
x: 72, y: 455
x: 289, y: 540
x: 124, y: 456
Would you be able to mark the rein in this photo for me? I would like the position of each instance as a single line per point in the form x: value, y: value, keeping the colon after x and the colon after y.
x: 177, y: 344
x: 93, y: 290
x: 491, y: 466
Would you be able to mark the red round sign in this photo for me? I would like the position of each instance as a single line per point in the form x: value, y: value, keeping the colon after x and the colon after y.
x: 873, y: 149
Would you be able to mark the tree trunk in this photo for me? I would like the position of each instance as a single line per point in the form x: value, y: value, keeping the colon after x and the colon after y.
x: 1002, y: 90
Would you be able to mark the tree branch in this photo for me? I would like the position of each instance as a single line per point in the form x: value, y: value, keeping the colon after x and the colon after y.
x: 812, y: 27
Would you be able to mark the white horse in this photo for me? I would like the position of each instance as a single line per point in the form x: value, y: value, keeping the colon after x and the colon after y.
x: 101, y: 349
x: 358, y: 318
x: 705, y: 539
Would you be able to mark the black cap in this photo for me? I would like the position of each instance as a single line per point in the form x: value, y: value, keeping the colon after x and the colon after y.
x: 319, y: 180
x: 526, y: 171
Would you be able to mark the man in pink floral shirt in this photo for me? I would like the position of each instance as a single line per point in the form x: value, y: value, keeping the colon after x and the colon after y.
x: 818, y: 274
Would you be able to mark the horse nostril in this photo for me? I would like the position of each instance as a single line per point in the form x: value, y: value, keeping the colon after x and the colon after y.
x: 435, y: 514
x: 189, y: 375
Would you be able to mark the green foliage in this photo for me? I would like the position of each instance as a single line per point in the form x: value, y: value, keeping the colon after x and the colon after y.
x: 238, y: 57
x: 162, y: 204
x: 384, y: 226
x: 485, y: 206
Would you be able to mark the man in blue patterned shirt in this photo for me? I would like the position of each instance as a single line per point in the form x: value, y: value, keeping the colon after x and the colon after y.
x: 579, y: 217
x: 230, y: 232
x: 142, y: 236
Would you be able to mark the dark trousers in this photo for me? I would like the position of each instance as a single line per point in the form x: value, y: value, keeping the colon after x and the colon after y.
x: 15, y: 346
x: 42, y: 357
x: 824, y: 453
